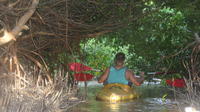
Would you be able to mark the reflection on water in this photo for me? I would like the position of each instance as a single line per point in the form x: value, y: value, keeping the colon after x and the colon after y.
x: 114, y: 106
x: 151, y: 101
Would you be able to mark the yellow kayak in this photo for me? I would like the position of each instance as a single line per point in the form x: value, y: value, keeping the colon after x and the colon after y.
x: 116, y: 92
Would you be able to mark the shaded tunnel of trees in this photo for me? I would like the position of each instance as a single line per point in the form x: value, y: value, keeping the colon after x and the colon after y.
x: 38, y: 38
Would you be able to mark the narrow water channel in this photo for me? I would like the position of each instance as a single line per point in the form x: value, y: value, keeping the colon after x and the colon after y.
x: 154, y: 98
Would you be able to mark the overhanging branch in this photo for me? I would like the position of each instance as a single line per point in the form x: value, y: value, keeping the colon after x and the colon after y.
x: 22, y: 21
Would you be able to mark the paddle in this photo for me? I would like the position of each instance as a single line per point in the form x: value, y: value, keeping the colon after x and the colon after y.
x: 83, y: 76
x: 78, y: 67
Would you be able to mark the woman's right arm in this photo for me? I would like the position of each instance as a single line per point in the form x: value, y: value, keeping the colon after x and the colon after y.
x: 104, y: 76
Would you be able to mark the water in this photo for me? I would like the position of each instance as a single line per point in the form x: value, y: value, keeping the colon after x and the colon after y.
x: 154, y: 98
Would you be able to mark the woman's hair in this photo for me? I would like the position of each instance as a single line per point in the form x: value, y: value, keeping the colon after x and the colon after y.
x: 120, y: 57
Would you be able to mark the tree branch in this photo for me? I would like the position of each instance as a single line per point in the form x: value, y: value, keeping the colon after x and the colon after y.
x: 9, y: 36
x: 22, y: 21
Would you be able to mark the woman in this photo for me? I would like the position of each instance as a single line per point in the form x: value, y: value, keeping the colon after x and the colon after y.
x: 119, y: 73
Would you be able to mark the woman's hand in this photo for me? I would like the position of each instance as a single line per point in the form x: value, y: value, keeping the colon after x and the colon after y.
x: 141, y: 77
x: 142, y: 74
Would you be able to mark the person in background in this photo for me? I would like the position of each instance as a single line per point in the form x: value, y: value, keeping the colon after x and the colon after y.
x: 119, y: 73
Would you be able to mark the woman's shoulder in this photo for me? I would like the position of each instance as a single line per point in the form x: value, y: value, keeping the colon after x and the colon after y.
x: 108, y: 68
x: 129, y: 70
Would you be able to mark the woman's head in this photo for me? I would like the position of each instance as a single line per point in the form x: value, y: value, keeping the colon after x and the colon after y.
x: 120, y: 58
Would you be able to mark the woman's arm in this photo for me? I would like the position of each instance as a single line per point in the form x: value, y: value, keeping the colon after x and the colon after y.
x: 137, y: 81
x: 104, y: 76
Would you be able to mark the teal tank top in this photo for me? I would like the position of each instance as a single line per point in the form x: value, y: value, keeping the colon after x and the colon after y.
x: 117, y: 76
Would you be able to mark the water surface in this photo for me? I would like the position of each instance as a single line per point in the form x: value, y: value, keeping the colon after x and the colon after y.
x: 154, y: 98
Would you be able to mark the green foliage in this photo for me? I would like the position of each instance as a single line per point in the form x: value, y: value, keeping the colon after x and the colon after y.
x: 164, y: 31
x: 190, y: 9
x: 158, y: 36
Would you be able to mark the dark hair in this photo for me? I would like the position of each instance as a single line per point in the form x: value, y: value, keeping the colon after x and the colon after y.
x: 120, y: 56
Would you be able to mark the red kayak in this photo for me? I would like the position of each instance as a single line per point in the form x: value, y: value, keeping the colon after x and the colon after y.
x: 180, y: 83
